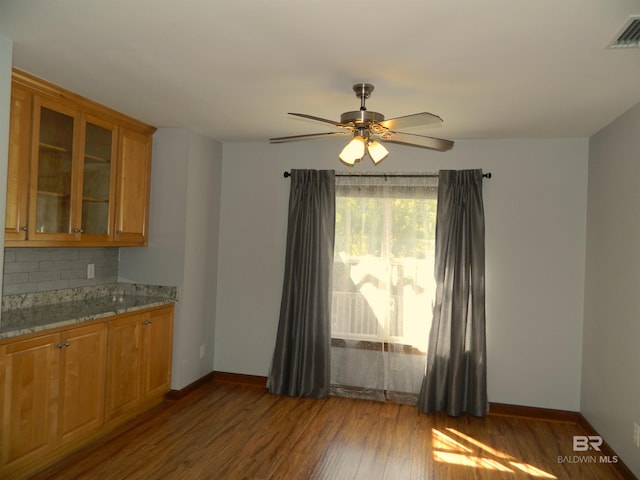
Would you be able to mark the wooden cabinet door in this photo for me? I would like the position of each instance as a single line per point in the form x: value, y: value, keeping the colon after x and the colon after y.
x: 18, y: 165
x: 98, y: 170
x: 124, y: 360
x: 55, y: 177
x: 134, y: 175
x: 29, y: 396
x: 158, y: 346
x: 82, y: 381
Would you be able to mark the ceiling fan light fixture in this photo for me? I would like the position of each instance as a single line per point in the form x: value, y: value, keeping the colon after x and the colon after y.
x: 376, y: 151
x: 354, y: 151
x: 363, y: 125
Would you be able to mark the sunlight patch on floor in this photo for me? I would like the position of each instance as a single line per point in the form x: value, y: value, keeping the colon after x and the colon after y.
x: 469, y: 461
x: 444, y: 442
x: 486, y: 448
x: 449, y: 450
x: 531, y: 470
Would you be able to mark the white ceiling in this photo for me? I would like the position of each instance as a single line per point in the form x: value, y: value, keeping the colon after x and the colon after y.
x: 232, y: 69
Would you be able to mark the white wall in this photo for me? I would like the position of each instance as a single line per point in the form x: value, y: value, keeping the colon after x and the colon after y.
x: 6, y: 55
x: 183, y: 245
x: 610, y: 398
x: 535, y: 209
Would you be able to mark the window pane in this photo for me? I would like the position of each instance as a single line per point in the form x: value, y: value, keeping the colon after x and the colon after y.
x: 383, y: 265
x: 412, y: 227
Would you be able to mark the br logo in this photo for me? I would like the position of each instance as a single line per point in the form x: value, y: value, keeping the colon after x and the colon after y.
x: 582, y: 443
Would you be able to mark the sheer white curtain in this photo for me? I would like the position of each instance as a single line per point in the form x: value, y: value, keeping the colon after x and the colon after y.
x: 383, y: 285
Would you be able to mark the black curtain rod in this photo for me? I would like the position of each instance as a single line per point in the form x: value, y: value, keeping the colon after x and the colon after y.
x: 383, y: 175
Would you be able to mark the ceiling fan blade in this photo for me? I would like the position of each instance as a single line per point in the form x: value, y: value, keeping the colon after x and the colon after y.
x: 419, y: 141
x: 409, y: 121
x: 319, y: 119
x: 308, y: 136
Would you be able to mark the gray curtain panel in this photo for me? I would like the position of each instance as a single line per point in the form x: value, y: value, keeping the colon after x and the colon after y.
x: 301, y: 359
x: 455, y: 379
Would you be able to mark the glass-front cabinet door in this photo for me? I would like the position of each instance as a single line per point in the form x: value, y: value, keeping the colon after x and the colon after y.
x: 98, y: 179
x: 54, y: 147
x: 72, y: 172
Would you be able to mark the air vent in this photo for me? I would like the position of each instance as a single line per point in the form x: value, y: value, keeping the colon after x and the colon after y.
x: 629, y: 35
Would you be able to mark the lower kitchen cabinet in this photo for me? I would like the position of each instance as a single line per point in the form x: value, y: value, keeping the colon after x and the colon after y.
x: 29, y: 372
x: 156, y: 359
x: 82, y: 389
x: 139, y: 361
x: 52, y: 393
x: 60, y: 389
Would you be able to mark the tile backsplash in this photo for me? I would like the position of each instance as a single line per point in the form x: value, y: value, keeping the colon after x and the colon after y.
x: 29, y: 270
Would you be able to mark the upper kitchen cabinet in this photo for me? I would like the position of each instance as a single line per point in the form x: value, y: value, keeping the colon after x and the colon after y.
x: 72, y: 175
x: 78, y: 172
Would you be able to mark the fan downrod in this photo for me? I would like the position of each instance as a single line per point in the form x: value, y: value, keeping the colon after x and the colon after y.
x: 363, y: 116
x: 363, y: 90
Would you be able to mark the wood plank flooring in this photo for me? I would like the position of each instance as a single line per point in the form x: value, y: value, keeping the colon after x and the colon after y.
x: 229, y: 431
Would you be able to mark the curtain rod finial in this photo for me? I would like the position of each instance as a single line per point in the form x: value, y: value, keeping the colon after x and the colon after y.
x: 286, y: 174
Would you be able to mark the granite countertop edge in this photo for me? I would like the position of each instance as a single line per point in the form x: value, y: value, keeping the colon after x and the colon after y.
x: 38, y: 312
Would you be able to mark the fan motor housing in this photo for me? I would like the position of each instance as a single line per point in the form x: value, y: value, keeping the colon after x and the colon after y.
x: 359, y: 117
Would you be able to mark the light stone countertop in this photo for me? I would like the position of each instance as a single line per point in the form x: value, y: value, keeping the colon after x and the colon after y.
x: 34, y: 312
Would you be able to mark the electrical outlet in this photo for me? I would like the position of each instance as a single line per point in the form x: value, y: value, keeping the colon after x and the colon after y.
x: 636, y: 434
x: 91, y: 270
x: 202, y: 350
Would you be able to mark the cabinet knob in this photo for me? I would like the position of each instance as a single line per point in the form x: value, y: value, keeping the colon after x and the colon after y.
x: 24, y: 228
x: 59, y: 345
x: 147, y: 322
x: 78, y: 230
x: 119, y: 232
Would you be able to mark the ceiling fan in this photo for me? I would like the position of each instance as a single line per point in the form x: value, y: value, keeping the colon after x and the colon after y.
x: 366, y: 126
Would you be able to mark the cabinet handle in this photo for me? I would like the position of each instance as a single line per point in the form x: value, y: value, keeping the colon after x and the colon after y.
x: 119, y: 232
x: 78, y: 230
x: 147, y: 322
x: 66, y: 344
x: 59, y: 345
x: 24, y: 228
